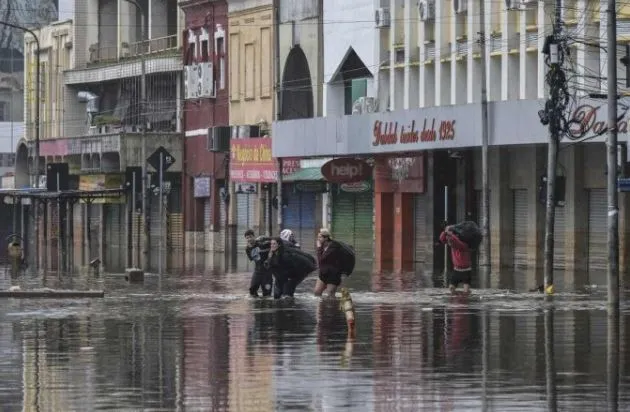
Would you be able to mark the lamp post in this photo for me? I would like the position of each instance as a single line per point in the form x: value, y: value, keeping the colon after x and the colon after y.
x: 36, y: 154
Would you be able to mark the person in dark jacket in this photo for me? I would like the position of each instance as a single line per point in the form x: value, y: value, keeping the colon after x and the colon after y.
x: 257, y: 251
x: 289, y: 266
x: 288, y: 236
x: 462, y: 263
x: 329, y: 258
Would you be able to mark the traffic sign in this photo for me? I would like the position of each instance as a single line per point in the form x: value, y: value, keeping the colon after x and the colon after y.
x: 167, y: 159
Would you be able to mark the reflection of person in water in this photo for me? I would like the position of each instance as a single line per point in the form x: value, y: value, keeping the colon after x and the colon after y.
x: 459, y: 337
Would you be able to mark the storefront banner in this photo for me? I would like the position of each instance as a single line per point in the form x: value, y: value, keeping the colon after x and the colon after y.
x: 251, y: 161
x: 98, y: 182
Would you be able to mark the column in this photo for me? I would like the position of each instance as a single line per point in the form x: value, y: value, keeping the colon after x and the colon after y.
x: 384, y: 217
x: 537, y: 215
x: 501, y: 212
x: 403, y: 232
x: 576, y: 218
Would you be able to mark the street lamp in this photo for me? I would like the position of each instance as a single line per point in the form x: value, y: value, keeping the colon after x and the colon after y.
x: 36, y: 160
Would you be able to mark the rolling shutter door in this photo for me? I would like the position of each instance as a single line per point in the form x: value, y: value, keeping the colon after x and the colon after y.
x: 78, y: 236
x: 353, y: 216
x: 422, y: 236
x: 559, y: 239
x: 245, y: 216
x: 597, y: 236
x: 94, y: 231
x: 154, y: 234
x: 299, y: 216
x: 520, y: 227
x: 207, y: 214
x: 114, y: 245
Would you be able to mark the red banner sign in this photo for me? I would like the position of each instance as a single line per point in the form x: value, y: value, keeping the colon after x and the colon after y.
x: 251, y: 161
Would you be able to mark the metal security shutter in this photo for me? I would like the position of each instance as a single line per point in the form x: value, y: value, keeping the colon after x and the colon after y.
x: 94, y: 231
x: 422, y: 235
x: 353, y: 221
x: 207, y: 214
x: 559, y: 239
x: 114, y: 245
x: 299, y: 216
x: 155, y: 247
x: 520, y: 227
x: 78, y: 217
x: 245, y: 216
x: 597, y: 236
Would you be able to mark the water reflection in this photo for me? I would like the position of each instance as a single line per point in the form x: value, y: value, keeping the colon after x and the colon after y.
x: 196, y: 343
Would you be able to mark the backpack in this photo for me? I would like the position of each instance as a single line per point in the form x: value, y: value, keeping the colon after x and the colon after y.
x: 469, y: 233
x: 347, y: 258
x: 301, y: 260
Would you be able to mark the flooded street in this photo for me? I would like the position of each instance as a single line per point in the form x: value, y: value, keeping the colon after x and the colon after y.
x: 194, y: 342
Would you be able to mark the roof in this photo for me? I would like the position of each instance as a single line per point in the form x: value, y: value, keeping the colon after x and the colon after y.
x: 306, y: 174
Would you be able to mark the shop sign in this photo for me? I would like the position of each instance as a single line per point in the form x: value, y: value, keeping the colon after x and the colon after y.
x: 392, y: 133
x: 290, y: 165
x: 251, y: 161
x: 346, y: 170
x: 100, y: 182
x: 584, y: 121
x: 201, y: 187
x: 312, y: 187
x: 356, y: 187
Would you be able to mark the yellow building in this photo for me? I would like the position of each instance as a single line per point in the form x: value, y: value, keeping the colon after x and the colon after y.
x: 252, y: 97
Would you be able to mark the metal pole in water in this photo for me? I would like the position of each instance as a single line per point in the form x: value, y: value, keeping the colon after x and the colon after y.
x: 161, y: 206
x: 611, y: 144
x: 445, y: 244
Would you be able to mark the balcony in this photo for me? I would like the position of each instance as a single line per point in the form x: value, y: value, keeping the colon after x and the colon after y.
x: 160, y: 46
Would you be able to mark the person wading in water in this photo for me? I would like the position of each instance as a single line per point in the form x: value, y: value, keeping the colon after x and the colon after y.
x: 462, y: 264
x: 329, y: 257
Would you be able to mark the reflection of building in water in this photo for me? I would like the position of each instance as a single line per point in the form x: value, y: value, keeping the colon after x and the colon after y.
x: 251, y: 367
x: 206, y: 361
x: 402, y: 351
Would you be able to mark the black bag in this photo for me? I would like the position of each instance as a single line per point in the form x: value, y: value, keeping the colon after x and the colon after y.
x: 347, y: 257
x: 300, y: 260
x: 469, y: 233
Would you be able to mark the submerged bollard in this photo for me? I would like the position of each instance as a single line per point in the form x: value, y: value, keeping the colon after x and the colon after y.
x: 347, y: 306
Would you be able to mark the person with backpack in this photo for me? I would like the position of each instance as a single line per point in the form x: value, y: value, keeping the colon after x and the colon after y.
x: 461, y: 257
x: 257, y: 251
x: 289, y: 265
x: 335, y: 259
x: 287, y: 236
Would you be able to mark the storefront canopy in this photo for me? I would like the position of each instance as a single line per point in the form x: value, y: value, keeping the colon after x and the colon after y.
x: 309, y: 174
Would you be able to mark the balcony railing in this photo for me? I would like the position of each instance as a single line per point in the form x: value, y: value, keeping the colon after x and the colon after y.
x: 109, y: 54
x: 151, y: 46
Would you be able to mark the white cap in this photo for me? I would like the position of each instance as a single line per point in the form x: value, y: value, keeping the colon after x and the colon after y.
x: 286, y: 235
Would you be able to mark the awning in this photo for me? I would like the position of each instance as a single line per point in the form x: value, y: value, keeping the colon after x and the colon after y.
x: 305, y: 175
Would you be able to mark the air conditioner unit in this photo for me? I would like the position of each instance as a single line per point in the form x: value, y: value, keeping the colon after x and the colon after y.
x: 426, y: 10
x: 219, y: 139
x: 246, y: 131
x: 382, y: 17
x: 460, y: 6
x: 207, y: 80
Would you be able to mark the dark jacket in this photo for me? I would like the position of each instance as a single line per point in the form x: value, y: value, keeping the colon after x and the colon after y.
x: 329, y: 260
x: 260, y: 255
x: 289, y: 262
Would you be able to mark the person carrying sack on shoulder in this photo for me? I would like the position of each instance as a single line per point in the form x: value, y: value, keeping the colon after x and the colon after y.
x: 329, y: 255
x: 461, y: 257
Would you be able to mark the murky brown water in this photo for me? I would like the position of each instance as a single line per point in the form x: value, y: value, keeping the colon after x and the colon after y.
x: 195, y: 342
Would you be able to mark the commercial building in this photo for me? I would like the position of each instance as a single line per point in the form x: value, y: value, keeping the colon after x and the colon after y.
x: 417, y: 122
x: 115, y: 102
x: 206, y: 116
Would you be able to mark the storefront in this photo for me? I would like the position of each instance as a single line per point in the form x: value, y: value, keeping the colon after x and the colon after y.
x: 597, y: 236
x: 353, y: 217
x: 246, y: 211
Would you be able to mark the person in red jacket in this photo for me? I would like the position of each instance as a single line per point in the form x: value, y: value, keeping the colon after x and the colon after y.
x: 460, y: 255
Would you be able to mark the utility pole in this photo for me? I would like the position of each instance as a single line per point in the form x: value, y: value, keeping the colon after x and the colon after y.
x: 485, y: 178
x: 145, y: 176
x: 554, y: 114
x: 611, y: 144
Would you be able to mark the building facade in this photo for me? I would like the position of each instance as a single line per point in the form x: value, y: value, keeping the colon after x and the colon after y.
x: 206, y: 114
x: 116, y: 101
x: 419, y: 127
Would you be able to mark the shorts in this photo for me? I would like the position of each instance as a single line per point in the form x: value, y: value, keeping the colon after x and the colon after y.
x: 458, y: 277
x: 330, y: 278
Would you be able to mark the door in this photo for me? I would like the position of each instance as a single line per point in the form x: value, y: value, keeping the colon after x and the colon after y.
x: 597, y: 236
x: 422, y: 235
x: 115, y: 242
x: 352, y: 222
x: 519, y: 232
x: 559, y: 239
x: 299, y: 216
x: 245, y: 216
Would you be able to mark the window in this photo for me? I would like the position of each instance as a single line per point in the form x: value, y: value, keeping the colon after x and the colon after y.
x: 250, y: 76
x: 4, y: 115
x: 235, y: 68
x: 204, y: 50
x: 353, y: 90
x: 221, y: 62
x: 266, y: 62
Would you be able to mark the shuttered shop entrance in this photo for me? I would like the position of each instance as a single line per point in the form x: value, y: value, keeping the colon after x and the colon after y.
x: 521, y: 222
x: 115, y: 238
x: 559, y: 229
x: 352, y: 221
x: 94, y: 231
x: 245, y: 216
x: 207, y: 214
x: 597, y: 237
x: 157, y: 231
x: 299, y: 216
x: 422, y: 235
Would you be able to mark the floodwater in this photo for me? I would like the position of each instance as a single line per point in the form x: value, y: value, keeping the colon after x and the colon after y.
x: 195, y: 342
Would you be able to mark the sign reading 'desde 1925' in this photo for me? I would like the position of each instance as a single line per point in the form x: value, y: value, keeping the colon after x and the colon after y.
x: 346, y: 170
x: 390, y: 133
